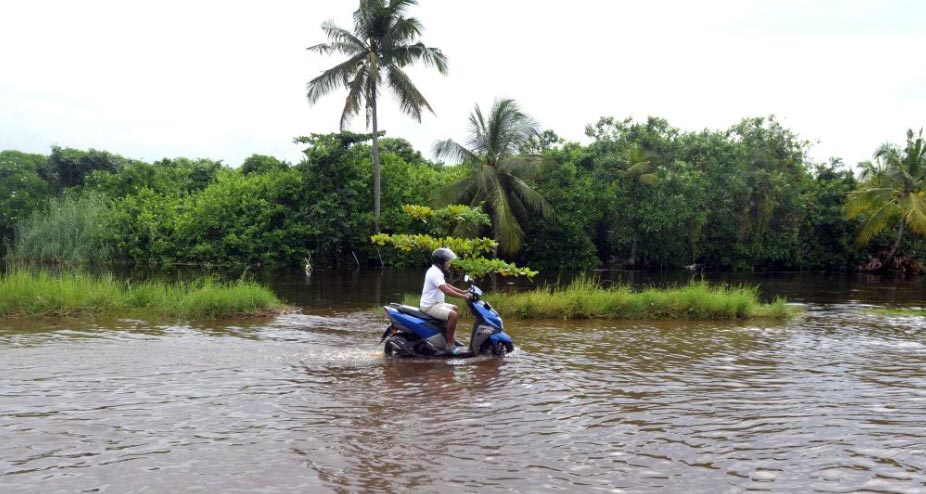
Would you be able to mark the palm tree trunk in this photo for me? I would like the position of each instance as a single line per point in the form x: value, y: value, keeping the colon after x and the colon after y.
x: 376, y: 179
x: 890, y: 255
x: 632, y: 262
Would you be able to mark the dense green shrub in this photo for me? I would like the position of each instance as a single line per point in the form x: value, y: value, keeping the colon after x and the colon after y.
x: 68, y: 229
x: 22, y: 190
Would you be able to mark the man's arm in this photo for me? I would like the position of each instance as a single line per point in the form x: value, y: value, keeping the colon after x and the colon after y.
x: 451, y: 290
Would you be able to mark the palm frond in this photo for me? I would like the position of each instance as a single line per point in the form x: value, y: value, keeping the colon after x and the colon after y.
x: 509, y: 128
x: 508, y: 231
x: 329, y: 48
x: 398, y: 7
x: 367, y: 15
x: 524, y: 166
x: 334, y: 78
x: 432, y: 57
x: 486, y: 181
x: 462, y: 191
x: 870, y: 172
x: 864, y: 200
x: 355, y: 96
x: 341, y: 38
x: 888, y: 154
x: 530, y: 197
x: 916, y: 154
x: 875, y: 224
x: 477, y: 133
x: 451, y: 150
x: 411, y: 101
x: 402, y: 31
x: 913, y: 206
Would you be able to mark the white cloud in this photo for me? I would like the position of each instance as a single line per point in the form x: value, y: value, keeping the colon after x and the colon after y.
x: 226, y: 79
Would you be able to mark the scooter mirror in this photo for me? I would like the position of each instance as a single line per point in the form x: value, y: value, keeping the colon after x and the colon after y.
x: 466, y: 278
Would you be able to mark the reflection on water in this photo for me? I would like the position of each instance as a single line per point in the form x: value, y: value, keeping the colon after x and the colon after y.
x: 831, y: 402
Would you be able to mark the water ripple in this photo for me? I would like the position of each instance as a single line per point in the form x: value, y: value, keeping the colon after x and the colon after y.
x: 828, y: 403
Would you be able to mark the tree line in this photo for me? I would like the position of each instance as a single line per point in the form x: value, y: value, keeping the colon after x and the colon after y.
x: 639, y: 194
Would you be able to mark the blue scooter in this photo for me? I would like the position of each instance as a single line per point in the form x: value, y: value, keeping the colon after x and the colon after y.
x: 412, y: 333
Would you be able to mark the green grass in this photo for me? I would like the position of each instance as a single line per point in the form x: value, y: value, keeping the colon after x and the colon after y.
x: 586, y: 298
x: 893, y: 312
x: 27, y: 294
x: 69, y: 229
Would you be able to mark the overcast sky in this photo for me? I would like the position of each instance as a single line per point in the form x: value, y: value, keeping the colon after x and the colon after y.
x: 223, y: 80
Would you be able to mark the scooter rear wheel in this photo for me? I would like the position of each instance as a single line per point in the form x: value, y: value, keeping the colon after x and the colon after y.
x: 395, y: 346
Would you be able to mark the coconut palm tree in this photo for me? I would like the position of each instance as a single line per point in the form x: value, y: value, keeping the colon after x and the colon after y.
x: 893, y: 190
x: 497, y: 173
x: 639, y: 172
x: 382, y: 43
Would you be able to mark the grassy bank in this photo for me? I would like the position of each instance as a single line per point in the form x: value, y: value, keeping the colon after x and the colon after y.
x: 899, y: 312
x: 26, y: 294
x: 588, y: 299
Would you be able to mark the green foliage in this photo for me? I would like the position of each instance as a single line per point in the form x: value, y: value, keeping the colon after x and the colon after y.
x: 68, y: 167
x: 643, y: 194
x: 566, y: 241
x: 892, y: 194
x: 448, y: 219
x: 70, y: 229
x: 257, y: 163
x: 141, y: 228
x: 336, y: 195
x: 178, y: 176
x: 464, y: 247
x: 733, y: 199
x: 585, y: 298
x: 238, y: 219
x: 243, y: 220
x: 22, y: 190
x: 30, y: 294
x: 471, y: 251
x: 825, y: 234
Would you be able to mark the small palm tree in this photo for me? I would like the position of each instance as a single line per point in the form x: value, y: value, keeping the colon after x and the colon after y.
x: 382, y: 44
x: 497, y: 173
x: 893, y: 190
x: 639, y: 172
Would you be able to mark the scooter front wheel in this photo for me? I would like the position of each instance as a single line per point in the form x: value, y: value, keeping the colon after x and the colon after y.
x: 501, y: 348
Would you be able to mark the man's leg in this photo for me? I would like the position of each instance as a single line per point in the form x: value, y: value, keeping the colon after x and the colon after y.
x: 452, y: 326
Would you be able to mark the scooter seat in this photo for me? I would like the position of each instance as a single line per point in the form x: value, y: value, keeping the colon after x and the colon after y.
x: 413, y: 311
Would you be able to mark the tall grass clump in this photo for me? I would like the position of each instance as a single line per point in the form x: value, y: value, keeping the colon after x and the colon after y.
x: 69, y: 229
x: 40, y: 294
x: 586, y: 298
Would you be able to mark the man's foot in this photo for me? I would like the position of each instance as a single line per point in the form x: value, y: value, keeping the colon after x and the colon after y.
x: 453, y: 350
x: 457, y: 343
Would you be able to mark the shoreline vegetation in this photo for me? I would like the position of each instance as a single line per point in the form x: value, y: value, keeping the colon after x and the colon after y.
x: 898, y: 312
x: 586, y: 298
x: 26, y: 294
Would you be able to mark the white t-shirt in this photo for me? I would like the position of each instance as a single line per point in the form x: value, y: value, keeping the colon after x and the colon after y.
x: 431, y: 293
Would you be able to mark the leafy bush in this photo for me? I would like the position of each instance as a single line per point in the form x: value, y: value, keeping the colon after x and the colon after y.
x: 69, y: 229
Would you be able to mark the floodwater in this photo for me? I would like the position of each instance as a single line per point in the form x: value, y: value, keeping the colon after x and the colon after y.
x: 834, y: 401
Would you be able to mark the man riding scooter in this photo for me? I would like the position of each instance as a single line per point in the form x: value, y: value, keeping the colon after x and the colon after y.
x: 435, y: 287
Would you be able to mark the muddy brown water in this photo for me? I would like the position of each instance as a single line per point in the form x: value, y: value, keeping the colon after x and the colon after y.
x: 834, y: 401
